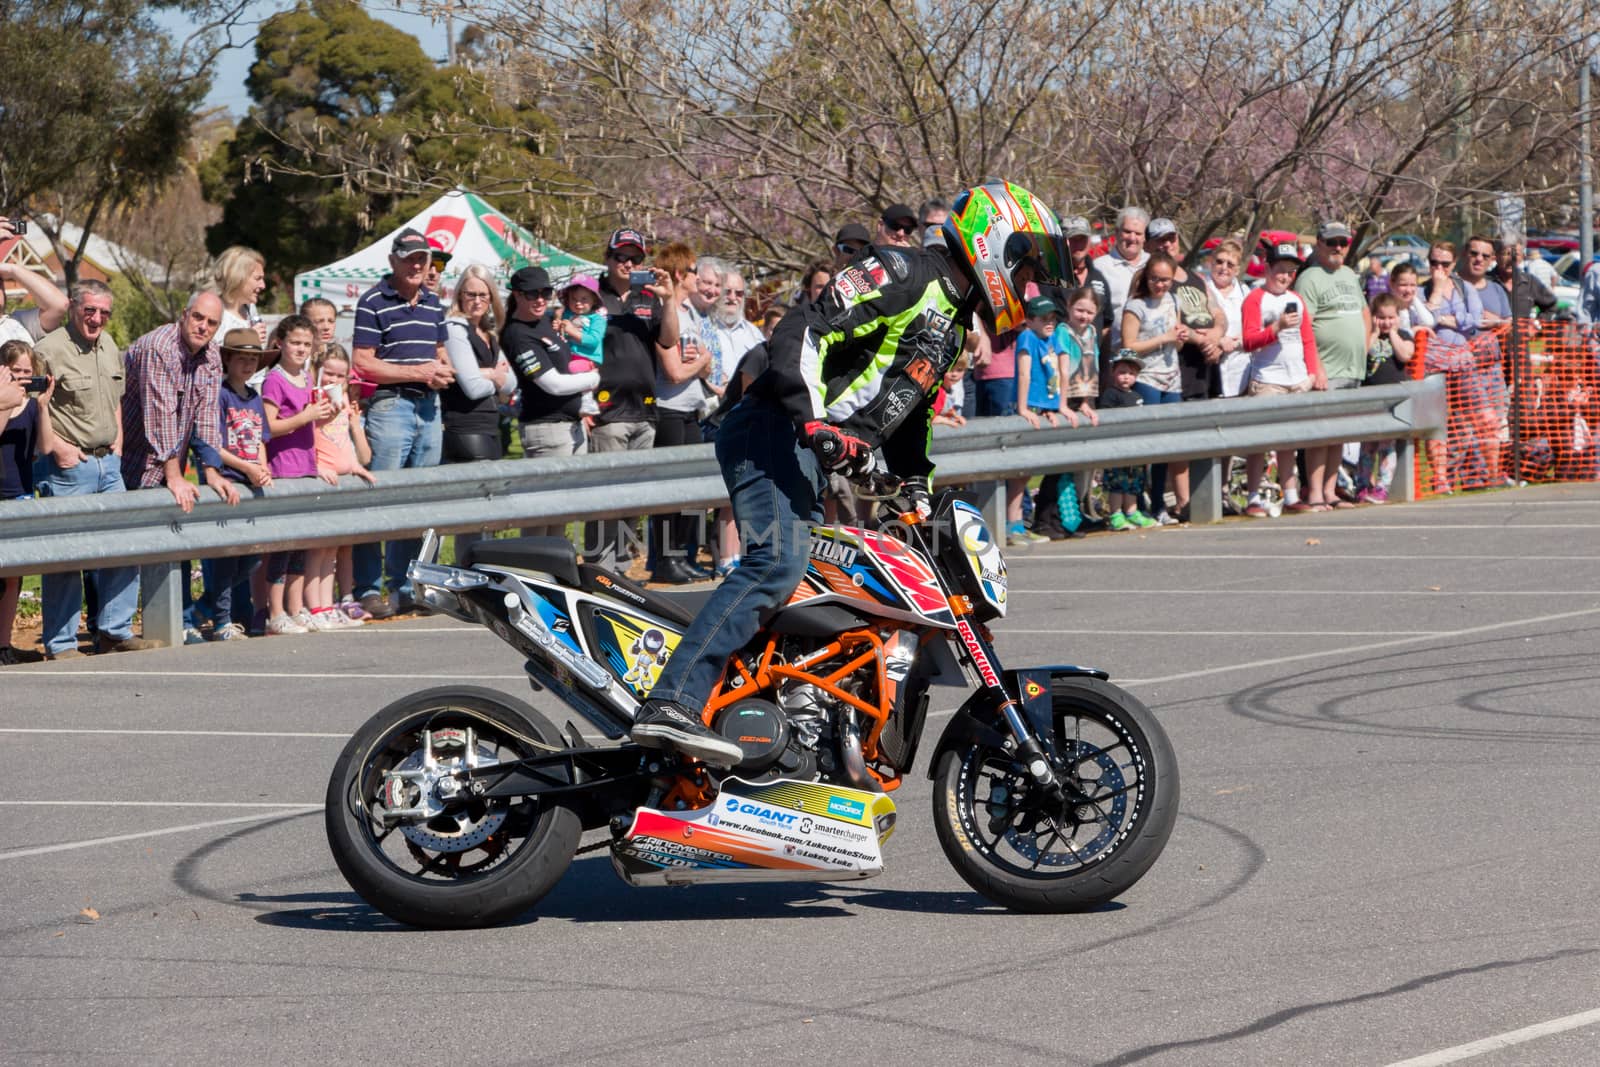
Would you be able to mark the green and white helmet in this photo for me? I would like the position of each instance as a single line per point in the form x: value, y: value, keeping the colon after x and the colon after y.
x: 1004, y: 237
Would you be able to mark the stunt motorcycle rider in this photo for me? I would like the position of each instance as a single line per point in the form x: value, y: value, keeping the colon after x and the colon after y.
x: 852, y: 374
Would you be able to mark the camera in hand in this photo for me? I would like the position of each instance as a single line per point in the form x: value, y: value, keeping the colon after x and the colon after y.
x: 38, y: 383
x: 19, y: 225
x: 1291, y: 308
x: 638, y: 279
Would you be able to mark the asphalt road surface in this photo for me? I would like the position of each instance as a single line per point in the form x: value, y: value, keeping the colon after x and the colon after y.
x: 1387, y: 850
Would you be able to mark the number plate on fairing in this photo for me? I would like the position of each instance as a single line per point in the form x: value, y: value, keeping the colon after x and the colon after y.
x: 771, y: 831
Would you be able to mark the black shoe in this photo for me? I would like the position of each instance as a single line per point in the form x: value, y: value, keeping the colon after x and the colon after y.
x: 1051, y: 529
x: 674, y: 572
x: 668, y: 724
x: 377, y: 605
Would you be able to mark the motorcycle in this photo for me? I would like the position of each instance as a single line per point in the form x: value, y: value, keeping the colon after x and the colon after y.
x: 1053, y: 790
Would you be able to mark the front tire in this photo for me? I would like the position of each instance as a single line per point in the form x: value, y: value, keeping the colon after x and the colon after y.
x: 1018, y: 849
x: 470, y: 865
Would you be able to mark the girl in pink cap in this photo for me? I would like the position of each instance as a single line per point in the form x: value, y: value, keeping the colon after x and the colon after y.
x: 584, y: 325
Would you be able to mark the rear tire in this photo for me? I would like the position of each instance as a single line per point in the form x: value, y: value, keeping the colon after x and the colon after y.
x: 477, y: 867
x: 1018, y: 852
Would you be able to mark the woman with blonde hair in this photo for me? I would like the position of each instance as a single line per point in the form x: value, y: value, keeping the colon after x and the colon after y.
x: 240, y: 275
x: 471, y: 411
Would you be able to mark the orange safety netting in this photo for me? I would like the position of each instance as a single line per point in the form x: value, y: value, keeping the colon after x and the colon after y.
x: 1524, y: 404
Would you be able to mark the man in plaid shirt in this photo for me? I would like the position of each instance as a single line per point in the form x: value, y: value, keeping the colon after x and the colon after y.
x: 170, y: 403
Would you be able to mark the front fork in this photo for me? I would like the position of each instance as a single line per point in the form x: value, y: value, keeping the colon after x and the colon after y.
x: 1020, y: 698
x: 1024, y: 739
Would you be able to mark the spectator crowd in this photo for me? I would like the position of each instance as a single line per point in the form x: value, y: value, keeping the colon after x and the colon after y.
x: 656, y: 348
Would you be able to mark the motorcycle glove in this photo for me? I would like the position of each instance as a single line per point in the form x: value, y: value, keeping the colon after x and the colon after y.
x: 839, y: 451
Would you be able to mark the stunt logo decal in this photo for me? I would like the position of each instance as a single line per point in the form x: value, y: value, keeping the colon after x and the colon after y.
x: 832, y: 551
x: 1034, y: 690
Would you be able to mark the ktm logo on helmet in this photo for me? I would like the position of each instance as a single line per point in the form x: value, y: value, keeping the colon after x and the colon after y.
x: 996, y: 287
x: 981, y: 244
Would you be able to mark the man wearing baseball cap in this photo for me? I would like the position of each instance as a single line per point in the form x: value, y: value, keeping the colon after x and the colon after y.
x: 552, y: 389
x: 1084, y: 273
x: 848, y: 243
x: 1341, y: 322
x: 641, y: 339
x: 399, y: 344
x: 897, y: 227
x: 438, y: 259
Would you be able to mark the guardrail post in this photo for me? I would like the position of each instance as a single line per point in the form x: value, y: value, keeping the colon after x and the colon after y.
x: 1403, y: 487
x: 994, y: 510
x: 161, y: 586
x: 1205, y: 489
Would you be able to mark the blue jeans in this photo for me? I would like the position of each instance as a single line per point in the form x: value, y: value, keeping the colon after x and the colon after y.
x: 225, y: 578
x: 996, y: 397
x: 62, y: 594
x: 404, y: 432
x: 775, y: 484
x: 1158, y: 471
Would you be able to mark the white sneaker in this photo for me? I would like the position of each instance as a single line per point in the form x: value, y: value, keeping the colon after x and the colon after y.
x: 335, y: 619
x: 284, y: 624
x: 315, y: 622
x: 231, y: 632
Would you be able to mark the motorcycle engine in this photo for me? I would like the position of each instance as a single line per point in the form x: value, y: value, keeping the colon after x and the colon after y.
x: 773, y: 748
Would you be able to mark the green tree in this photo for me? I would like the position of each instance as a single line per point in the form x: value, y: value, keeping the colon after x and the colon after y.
x: 93, y: 101
x: 353, y: 129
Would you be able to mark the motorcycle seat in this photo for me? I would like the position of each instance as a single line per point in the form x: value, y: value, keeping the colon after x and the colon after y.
x: 670, y: 607
x: 554, y: 556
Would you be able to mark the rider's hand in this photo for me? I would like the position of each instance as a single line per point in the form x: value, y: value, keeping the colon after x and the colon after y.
x: 838, y: 450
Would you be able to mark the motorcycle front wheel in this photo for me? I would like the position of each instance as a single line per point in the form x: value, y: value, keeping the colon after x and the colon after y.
x: 1029, y: 852
x: 453, y: 862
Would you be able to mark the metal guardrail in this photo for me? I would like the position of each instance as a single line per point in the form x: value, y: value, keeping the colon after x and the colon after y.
x: 145, y: 527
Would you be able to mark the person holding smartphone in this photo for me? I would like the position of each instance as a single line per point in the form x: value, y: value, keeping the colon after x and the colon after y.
x: 641, y: 339
x: 1283, y: 359
x: 24, y: 434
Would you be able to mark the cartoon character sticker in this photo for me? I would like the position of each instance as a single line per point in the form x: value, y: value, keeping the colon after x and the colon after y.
x: 649, y: 653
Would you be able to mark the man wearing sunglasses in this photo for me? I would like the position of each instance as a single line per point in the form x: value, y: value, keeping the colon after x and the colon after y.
x: 898, y: 227
x: 848, y: 243
x: 641, y: 339
x: 1340, y: 322
x: 438, y: 260
x: 86, y: 419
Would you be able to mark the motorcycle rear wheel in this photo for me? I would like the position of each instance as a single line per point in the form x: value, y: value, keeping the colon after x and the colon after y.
x: 1010, y: 844
x: 476, y: 865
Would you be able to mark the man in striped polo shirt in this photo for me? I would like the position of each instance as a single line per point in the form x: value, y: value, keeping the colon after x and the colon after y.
x: 399, y: 343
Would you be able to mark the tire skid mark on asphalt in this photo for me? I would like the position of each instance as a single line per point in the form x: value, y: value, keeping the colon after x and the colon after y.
x: 1369, y: 646
x: 1278, y: 1018
x: 1575, y: 672
x: 186, y: 877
